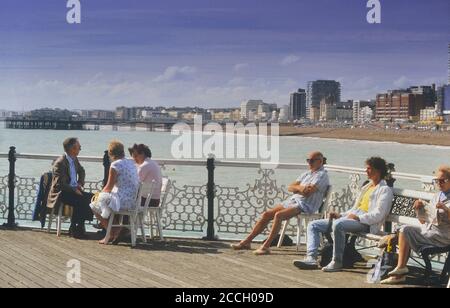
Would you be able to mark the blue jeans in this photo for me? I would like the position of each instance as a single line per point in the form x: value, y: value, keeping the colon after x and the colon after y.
x: 341, y: 226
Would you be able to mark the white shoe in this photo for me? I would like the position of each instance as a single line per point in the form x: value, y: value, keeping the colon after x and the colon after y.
x: 309, y: 263
x: 333, y: 267
x: 399, y: 271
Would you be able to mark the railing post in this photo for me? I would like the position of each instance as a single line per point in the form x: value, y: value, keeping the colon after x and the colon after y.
x: 11, y: 224
x: 211, y: 195
x: 106, y: 166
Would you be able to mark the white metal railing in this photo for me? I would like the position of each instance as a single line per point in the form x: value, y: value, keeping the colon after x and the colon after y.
x: 237, y: 164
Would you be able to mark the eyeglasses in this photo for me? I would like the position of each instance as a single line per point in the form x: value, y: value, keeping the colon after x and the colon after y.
x: 312, y: 160
x: 440, y: 181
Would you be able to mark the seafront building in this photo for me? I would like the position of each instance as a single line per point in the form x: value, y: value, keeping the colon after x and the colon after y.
x: 327, y: 109
x: 257, y: 110
x: 399, y: 105
x: 318, y: 90
x: 363, y: 111
x: 297, y: 105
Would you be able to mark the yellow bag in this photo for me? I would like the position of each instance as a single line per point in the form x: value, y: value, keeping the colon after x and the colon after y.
x: 67, y: 211
x: 95, y: 197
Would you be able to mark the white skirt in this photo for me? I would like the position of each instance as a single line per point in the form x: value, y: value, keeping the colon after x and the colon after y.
x: 106, y: 204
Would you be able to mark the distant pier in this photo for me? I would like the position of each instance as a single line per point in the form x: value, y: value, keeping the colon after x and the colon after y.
x: 87, y: 124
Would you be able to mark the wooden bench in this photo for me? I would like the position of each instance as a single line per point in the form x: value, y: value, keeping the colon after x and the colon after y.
x: 403, y: 213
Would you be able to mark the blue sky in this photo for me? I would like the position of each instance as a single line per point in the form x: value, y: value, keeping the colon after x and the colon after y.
x: 213, y: 53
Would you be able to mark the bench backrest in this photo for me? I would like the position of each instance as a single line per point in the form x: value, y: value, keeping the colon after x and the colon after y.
x: 326, y: 200
x: 402, y: 211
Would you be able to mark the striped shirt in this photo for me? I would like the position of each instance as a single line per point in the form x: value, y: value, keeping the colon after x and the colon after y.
x: 319, y: 179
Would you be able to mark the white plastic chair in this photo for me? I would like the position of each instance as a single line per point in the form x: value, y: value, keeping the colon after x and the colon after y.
x: 135, y: 216
x: 308, y: 218
x: 59, y: 220
x: 154, y: 214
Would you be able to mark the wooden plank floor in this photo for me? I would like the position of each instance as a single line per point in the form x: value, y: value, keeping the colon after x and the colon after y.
x: 32, y: 258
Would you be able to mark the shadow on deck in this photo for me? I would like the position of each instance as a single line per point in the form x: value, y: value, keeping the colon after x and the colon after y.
x: 32, y: 258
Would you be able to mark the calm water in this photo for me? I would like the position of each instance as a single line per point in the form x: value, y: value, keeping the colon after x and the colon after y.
x: 418, y: 159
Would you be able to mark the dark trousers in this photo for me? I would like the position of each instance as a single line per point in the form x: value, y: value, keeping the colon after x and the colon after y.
x: 80, y: 204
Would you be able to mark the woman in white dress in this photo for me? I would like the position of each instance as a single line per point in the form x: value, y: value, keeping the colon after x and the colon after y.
x: 123, y: 185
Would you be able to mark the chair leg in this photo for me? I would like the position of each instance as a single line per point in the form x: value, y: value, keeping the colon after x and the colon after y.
x: 59, y: 222
x: 428, y: 266
x: 150, y: 217
x: 158, y: 217
x: 446, y: 270
x: 58, y: 226
x: 299, y: 231
x: 50, y: 221
x: 108, y: 230
x: 141, y: 224
x: 133, y: 233
x: 283, y: 233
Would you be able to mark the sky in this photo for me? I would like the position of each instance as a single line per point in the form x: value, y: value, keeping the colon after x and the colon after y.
x: 213, y: 53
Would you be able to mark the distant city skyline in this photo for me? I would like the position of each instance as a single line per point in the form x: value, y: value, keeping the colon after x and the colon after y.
x: 213, y: 54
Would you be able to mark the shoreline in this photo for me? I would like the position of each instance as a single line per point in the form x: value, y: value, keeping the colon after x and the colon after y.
x: 375, y: 135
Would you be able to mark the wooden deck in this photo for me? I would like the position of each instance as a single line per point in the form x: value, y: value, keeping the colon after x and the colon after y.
x: 32, y: 258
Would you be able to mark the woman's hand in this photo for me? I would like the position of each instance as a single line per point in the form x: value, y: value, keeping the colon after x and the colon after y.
x: 334, y: 215
x: 418, y: 205
x: 442, y: 206
x: 353, y: 217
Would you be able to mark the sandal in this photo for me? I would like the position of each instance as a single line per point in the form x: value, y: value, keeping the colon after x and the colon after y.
x: 262, y: 251
x: 240, y: 246
x: 394, y: 280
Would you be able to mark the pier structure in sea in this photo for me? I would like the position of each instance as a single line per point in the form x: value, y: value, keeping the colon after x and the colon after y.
x: 87, y: 124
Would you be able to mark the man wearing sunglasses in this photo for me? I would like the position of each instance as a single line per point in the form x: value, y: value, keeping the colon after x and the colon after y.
x: 308, y: 190
x: 435, y: 233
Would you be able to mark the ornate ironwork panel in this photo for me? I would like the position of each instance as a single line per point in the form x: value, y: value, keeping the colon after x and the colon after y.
x: 3, y: 197
x: 93, y: 186
x: 185, y: 209
x: 343, y: 201
x: 26, y: 193
x: 403, y: 206
x: 238, y: 210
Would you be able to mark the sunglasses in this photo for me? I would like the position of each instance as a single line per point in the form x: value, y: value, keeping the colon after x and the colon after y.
x: 313, y: 160
x: 440, y: 181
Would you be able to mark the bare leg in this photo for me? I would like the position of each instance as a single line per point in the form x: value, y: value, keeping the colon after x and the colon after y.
x: 403, y: 251
x: 262, y: 224
x: 285, y: 214
x: 103, y: 222
x: 115, y: 231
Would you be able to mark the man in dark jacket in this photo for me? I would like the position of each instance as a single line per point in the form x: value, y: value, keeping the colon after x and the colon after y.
x: 67, y: 187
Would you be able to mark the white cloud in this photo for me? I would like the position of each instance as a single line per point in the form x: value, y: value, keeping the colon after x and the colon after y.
x: 108, y: 92
x: 176, y: 73
x: 238, y: 81
x: 240, y: 66
x: 288, y: 60
x: 403, y: 82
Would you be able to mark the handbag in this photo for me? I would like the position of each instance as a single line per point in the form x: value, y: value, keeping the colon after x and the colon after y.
x: 386, y: 262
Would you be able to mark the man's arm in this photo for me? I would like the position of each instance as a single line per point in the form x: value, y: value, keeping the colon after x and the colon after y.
x: 61, y: 178
x: 304, y: 190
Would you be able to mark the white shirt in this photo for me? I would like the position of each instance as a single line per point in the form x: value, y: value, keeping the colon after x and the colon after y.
x: 73, y: 171
x: 150, y: 171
